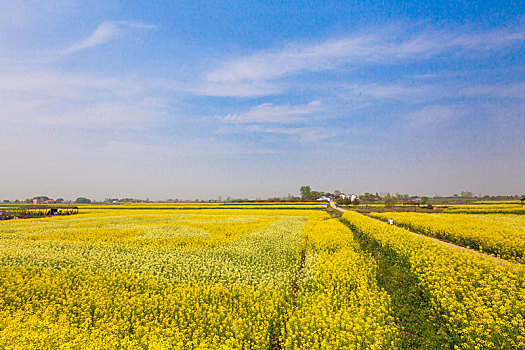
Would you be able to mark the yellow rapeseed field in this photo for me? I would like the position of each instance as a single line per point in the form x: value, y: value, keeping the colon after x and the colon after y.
x: 480, y: 301
x: 188, y: 279
x: 509, y: 207
x: 499, y: 235
x: 339, y: 304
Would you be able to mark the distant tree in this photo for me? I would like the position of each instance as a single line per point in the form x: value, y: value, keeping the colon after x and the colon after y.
x: 402, y: 197
x: 305, y: 192
x: 425, y: 200
x: 82, y: 200
x: 339, y: 201
x: 39, y: 199
x: 60, y: 200
x: 466, y: 194
x: 337, y: 193
x: 390, y: 201
x: 313, y: 195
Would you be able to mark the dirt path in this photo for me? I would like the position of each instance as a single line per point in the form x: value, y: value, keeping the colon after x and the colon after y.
x: 332, y: 204
x: 502, y: 262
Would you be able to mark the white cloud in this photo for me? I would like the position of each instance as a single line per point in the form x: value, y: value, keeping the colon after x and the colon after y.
x: 236, y: 89
x: 500, y: 91
x: 305, y: 134
x: 33, y: 97
x: 382, y: 47
x: 435, y: 114
x: 302, y: 133
x: 104, y: 33
x: 490, y: 40
x: 413, y: 92
x: 299, y: 122
x: 272, y: 65
x: 406, y: 91
x: 270, y: 113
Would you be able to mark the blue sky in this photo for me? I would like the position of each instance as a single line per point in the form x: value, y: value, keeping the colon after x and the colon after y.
x: 200, y: 99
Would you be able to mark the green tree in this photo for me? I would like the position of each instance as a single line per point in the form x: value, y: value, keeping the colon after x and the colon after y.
x: 314, y: 195
x: 305, y: 192
x: 82, y: 200
x: 425, y: 200
x: 466, y: 194
x: 390, y: 201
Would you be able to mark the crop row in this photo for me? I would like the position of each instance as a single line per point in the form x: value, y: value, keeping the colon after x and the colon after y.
x: 339, y: 304
x: 502, y: 236
x: 493, y: 208
x: 480, y: 302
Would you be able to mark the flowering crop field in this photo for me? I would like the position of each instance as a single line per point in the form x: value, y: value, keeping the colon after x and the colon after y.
x: 192, y: 279
x: 499, y: 235
x: 209, y: 205
x: 214, y: 278
x: 479, y: 301
x: 509, y: 207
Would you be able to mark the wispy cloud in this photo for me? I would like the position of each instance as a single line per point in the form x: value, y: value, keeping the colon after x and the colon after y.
x: 409, y: 92
x: 385, y: 46
x: 104, y: 33
x: 300, y: 122
x: 435, y: 114
x: 516, y: 91
x: 301, y: 133
x: 235, y: 88
x: 272, y: 65
x: 33, y: 97
x: 305, y: 134
x: 270, y: 113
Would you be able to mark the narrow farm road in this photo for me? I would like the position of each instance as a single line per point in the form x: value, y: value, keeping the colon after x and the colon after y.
x: 332, y: 204
x: 502, y: 262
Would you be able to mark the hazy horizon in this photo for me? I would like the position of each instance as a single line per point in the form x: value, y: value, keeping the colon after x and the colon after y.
x: 205, y: 99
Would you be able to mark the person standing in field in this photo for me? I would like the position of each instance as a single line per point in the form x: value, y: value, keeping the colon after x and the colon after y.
x: 390, y: 221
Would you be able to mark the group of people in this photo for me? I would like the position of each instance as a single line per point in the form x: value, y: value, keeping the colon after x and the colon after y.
x: 9, y: 217
x: 13, y: 215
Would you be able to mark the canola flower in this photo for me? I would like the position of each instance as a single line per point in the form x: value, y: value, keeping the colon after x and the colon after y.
x: 72, y: 309
x: 339, y: 304
x: 487, y: 208
x: 199, y: 205
x: 502, y: 236
x: 206, y: 279
x: 98, y: 281
x: 479, y: 301
x: 265, y: 255
x: 159, y: 229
